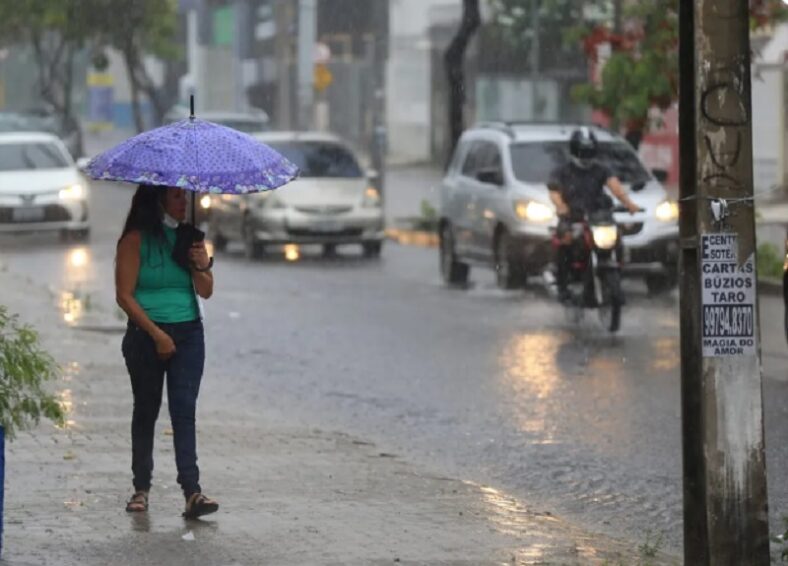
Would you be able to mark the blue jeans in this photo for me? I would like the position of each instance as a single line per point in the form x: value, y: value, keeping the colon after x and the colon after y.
x: 184, y: 372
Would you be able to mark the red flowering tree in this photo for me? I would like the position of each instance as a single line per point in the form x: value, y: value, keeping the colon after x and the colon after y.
x: 640, y: 69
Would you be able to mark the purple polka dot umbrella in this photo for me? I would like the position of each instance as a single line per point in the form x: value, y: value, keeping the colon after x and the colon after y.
x: 195, y: 155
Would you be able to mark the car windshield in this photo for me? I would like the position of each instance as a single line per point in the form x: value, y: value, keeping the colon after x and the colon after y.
x: 534, y: 162
x: 320, y: 159
x: 28, y: 156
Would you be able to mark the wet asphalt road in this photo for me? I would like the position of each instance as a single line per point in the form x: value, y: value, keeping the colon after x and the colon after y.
x: 483, y: 385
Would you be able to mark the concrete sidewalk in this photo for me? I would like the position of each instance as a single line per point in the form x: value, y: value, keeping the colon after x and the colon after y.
x: 289, y: 495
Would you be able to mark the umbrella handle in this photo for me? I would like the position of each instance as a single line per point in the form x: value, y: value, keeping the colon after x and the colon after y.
x: 191, y: 107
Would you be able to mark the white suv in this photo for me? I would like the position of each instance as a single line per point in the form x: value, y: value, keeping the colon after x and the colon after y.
x: 496, y: 211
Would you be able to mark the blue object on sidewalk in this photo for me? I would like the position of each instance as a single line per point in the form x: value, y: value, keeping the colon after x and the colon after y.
x: 2, y: 484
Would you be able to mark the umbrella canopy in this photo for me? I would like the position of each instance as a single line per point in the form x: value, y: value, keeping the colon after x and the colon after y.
x: 195, y: 155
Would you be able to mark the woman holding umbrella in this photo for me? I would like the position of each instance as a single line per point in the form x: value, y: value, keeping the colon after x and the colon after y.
x: 162, y: 267
x: 164, y: 336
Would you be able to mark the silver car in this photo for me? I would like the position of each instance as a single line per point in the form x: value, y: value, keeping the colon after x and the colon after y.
x: 247, y: 122
x: 41, y: 188
x: 496, y: 210
x: 332, y: 202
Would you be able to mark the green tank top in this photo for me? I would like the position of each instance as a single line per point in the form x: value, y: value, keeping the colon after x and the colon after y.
x: 164, y: 289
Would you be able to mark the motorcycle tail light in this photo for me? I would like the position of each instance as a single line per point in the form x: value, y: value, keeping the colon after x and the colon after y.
x: 605, y: 237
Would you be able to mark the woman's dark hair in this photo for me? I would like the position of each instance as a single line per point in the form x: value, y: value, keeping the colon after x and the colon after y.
x: 146, y: 213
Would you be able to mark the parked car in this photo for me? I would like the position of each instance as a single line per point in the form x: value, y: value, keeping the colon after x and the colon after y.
x: 44, y: 120
x: 41, y: 188
x: 331, y: 203
x: 495, y: 206
x: 248, y: 123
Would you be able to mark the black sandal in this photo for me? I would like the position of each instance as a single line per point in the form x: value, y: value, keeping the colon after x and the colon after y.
x: 138, y: 502
x: 198, y: 505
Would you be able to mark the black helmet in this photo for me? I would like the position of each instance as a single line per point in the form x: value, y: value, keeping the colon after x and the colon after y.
x: 583, y: 145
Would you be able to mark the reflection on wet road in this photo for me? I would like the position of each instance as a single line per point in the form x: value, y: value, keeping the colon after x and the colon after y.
x: 493, y: 387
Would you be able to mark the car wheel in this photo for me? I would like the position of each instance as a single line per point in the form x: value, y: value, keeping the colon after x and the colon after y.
x: 453, y: 272
x: 253, y: 249
x: 372, y: 249
x: 509, y: 269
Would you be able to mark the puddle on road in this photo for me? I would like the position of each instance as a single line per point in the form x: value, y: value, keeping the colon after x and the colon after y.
x: 74, y: 301
x: 551, y: 539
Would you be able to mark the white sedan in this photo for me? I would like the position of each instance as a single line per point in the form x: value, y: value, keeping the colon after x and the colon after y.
x: 41, y: 188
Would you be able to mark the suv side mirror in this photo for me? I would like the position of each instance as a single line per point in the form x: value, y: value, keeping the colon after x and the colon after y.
x: 491, y: 176
x: 660, y: 175
x: 82, y: 163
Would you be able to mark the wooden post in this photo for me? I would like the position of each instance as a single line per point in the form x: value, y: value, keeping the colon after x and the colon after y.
x: 725, y: 502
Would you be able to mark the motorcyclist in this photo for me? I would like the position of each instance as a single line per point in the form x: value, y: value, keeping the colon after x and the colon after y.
x: 577, y: 188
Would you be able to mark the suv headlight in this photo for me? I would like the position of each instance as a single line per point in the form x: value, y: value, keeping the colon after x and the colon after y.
x: 371, y: 198
x: 72, y: 192
x: 534, y: 211
x: 605, y: 237
x: 205, y: 202
x: 667, y: 211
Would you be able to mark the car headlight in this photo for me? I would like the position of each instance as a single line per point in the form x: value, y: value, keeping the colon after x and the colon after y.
x: 668, y: 211
x: 371, y: 198
x: 72, y: 192
x: 605, y: 237
x: 205, y: 202
x: 534, y: 211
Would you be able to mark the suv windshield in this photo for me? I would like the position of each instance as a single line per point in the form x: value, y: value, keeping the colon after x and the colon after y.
x: 534, y: 162
x: 320, y: 159
x: 26, y: 156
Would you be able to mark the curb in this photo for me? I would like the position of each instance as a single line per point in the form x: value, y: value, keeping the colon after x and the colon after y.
x: 772, y: 287
x: 417, y: 238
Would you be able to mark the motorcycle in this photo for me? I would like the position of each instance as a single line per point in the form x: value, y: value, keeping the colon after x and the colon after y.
x: 594, y: 273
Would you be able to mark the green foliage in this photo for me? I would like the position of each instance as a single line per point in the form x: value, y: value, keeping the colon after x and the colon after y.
x: 428, y: 221
x: 770, y: 262
x: 24, y: 368
x: 148, y: 26
x: 636, y: 79
x: 642, y: 72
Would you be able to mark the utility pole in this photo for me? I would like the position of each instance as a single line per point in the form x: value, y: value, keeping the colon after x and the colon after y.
x: 307, y: 36
x: 725, y: 500
x: 536, y: 60
x: 379, y: 59
x: 284, y: 17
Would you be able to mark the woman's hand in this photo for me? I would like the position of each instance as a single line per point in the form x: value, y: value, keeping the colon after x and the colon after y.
x: 198, y: 255
x: 165, y: 347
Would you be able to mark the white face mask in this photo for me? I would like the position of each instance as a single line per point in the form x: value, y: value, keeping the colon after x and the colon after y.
x: 169, y: 221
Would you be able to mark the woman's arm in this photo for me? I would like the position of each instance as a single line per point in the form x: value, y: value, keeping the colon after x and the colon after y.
x: 203, y: 280
x: 127, y: 269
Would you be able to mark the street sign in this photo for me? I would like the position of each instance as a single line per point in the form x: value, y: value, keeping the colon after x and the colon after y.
x: 323, y: 77
x: 728, y: 298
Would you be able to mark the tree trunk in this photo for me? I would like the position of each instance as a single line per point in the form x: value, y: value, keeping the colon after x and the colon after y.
x: 56, y: 78
x: 129, y: 58
x: 454, y: 60
x: 142, y: 83
x: 634, y: 137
